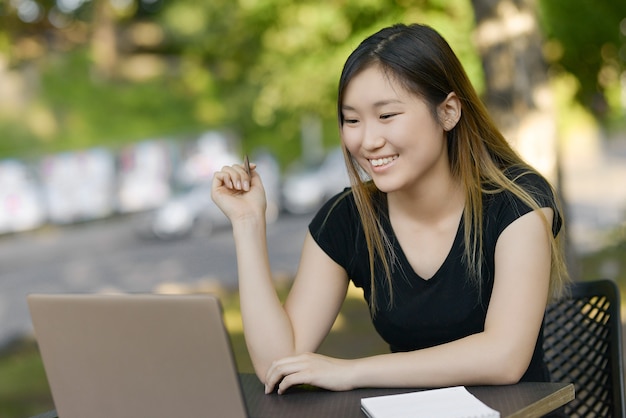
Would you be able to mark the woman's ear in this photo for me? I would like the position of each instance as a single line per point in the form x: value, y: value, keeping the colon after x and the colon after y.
x: 449, y: 111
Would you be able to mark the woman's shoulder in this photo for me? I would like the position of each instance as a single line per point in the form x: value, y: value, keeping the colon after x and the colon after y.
x: 335, y: 227
x: 508, y: 205
x: 528, y: 179
x: 336, y: 208
x: 520, y: 180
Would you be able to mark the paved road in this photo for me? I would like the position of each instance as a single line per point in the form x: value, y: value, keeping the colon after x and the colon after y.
x: 109, y: 256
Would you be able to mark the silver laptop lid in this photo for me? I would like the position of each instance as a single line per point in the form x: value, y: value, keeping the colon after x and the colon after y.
x: 137, y: 356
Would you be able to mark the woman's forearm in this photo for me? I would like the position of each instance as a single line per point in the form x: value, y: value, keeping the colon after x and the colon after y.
x: 473, y: 360
x: 267, y: 329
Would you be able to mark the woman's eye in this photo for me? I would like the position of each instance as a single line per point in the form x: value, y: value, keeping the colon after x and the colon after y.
x: 350, y: 121
x: 388, y: 115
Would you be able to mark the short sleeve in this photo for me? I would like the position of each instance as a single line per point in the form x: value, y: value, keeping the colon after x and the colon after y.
x: 509, y: 207
x: 335, y: 228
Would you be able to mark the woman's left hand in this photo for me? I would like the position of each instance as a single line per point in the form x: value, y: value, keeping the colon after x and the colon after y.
x: 311, y: 369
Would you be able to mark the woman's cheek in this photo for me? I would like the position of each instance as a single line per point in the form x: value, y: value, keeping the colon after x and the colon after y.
x: 350, y: 139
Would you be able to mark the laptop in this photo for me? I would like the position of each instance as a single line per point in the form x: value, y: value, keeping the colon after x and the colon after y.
x: 136, y: 355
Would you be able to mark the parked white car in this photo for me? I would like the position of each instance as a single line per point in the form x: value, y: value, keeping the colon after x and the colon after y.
x: 192, y: 211
x: 144, y: 176
x: 305, y: 189
x: 21, y: 205
x: 78, y: 185
x: 205, y: 155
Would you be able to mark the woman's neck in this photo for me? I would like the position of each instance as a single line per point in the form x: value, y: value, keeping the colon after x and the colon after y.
x: 429, y: 203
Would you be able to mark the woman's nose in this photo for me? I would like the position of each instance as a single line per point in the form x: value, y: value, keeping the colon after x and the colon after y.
x: 373, y: 139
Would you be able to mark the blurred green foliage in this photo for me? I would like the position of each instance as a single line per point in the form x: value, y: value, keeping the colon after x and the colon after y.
x: 113, y: 111
x: 258, y: 67
x: 588, y: 39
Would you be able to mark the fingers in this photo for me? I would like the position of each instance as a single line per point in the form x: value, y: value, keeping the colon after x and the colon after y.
x: 286, y: 373
x: 309, y: 369
x: 235, y: 177
x: 282, y: 379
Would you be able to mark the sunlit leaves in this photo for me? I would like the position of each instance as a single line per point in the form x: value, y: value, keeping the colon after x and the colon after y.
x: 185, y: 19
x: 586, y: 40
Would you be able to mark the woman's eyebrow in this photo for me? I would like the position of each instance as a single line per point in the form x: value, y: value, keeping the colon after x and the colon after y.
x: 377, y: 104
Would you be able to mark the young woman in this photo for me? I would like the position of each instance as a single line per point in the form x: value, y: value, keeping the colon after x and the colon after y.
x: 451, y: 236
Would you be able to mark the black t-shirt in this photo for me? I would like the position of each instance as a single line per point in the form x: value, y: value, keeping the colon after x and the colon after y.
x: 444, y: 308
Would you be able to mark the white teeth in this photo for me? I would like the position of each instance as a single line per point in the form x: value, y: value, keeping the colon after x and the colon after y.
x: 382, y: 161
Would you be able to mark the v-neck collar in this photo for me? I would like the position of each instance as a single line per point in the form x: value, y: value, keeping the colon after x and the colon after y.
x: 401, y: 257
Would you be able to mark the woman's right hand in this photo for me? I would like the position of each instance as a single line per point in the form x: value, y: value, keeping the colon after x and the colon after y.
x: 237, y: 194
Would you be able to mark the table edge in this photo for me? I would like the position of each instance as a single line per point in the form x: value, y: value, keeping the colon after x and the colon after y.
x: 557, y: 399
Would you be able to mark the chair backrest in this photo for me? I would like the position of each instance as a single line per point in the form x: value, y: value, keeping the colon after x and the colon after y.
x: 583, y: 345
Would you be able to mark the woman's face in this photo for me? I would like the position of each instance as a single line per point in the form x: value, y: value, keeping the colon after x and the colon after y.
x: 391, y: 132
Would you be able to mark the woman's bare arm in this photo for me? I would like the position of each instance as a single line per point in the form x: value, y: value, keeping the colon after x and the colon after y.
x: 272, y: 331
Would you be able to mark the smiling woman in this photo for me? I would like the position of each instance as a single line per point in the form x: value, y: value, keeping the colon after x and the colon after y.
x: 453, y: 238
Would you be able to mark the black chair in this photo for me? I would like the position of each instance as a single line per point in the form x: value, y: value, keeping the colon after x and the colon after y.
x: 583, y: 345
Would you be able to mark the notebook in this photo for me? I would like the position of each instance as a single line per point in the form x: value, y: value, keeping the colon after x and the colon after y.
x: 452, y: 402
x: 137, y: 356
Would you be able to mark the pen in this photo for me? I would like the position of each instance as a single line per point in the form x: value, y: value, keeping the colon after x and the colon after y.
x: 246, y: 164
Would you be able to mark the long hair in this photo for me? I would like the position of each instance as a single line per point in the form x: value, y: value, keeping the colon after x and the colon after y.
x: 419, y: 59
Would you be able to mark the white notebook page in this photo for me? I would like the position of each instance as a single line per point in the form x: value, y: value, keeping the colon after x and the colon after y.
x: 452, y: 402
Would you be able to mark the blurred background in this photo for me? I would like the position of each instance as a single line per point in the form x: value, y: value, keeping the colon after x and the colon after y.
x: 114, y: 114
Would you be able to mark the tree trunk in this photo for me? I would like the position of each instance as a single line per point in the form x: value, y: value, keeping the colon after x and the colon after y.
x: 518, y: 94
x: 103, y: 41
